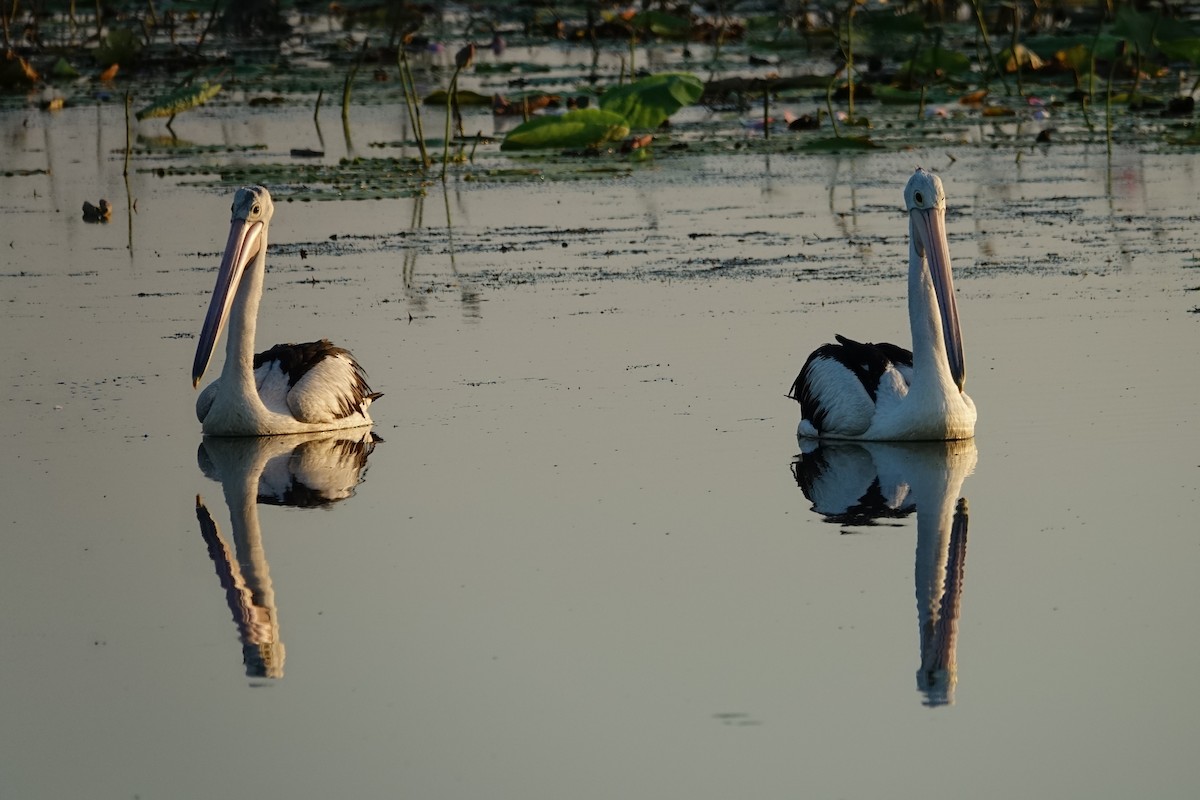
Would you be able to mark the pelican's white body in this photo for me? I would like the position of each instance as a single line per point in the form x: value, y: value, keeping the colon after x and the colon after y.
x: 274, y: 407
x: 329, y: 394
x: 923, y: 401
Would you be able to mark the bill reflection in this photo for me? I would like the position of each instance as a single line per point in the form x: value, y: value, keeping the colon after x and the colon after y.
x: 865, y: 484
x: 307, y: 470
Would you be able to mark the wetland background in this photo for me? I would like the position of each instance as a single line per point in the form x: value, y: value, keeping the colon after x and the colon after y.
x: 588, y: 557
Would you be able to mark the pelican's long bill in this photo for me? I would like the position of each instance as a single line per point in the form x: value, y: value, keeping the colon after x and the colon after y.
x: 929, y: 233
x: 245, y: 240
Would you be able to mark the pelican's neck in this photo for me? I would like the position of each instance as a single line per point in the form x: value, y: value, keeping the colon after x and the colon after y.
x: 928, y: 343
x: 238, y: 371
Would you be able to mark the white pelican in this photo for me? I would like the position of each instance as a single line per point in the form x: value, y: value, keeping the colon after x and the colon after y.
x: 883, y: 392
x: 291, y: 388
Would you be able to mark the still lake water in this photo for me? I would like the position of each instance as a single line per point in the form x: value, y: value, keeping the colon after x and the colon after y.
x: 579, y: 564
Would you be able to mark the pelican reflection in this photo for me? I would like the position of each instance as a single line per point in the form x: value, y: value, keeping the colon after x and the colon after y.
x: 857, y: 484
x: 304, y: 470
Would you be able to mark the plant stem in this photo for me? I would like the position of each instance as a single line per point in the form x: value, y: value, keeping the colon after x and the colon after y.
x: 1108, y: 105
x: 412, y: 102
x: 449, y: 111
x: 829, y: 104
x: 1016, y: 57
x: 766, y: 113
x: 350, y: 80
x: 987, y: 44
x: 128, y: 99
x: 850, y: 61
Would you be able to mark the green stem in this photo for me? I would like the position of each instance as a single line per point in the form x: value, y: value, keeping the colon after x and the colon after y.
x: 850, y: 61
x: 1016, y: 57
x: 987, y: 44
x: 128, y: 99
x: 350, y: 80
x: 449, y: 111
x: 829, y: 104
x: 766, y: 113
x: 412, y: 103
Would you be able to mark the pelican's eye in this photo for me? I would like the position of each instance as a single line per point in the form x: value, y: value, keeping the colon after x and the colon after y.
x: 255, y: 212
x: 918, y: 198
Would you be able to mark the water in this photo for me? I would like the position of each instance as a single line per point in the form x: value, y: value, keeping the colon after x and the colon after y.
x: 579, y: 564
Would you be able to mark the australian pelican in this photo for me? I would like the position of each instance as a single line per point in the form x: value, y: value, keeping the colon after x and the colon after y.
x: 855, y: 390
x: 291, y: 388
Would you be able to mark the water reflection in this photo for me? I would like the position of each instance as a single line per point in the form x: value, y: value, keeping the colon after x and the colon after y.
x: 860, y: 484
x: 307, y: 470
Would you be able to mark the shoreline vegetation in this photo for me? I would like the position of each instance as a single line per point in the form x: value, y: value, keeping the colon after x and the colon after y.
x: 586, y: 79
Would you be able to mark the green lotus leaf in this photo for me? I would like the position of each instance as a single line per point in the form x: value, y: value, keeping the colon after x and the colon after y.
x: 1187, y: 49
x: 645, y: 103
x: 938, y: 61
x: 465, y: 98
x: 1136, y: 27
x: 581, y: 128
x: 662, y: 24
x: 180, y: 100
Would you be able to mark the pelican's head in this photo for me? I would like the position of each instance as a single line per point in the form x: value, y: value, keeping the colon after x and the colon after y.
x: 925, y: 200
x: 252, y: 210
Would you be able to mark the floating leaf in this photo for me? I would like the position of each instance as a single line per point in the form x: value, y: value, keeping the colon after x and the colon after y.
x: 1136, y: 27
x: 465, y: 98
x: 1187, y: 49
x: 662, y: 24
x: 890, y: 95
x: 647, y: 102
x: 180, y: 100
x: 938, y: 61
x: 835, y: 144
x: 120, y: 46
x: 583, y: 128
x: 63, y: 69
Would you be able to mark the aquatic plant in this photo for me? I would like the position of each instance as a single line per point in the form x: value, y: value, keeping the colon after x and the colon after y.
x: 642, y: 105
x: 647, y: 103
x: 180, y: 100
x: 587, y: 127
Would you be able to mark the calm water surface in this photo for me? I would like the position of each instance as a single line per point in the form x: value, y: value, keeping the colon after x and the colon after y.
x: 585, y: 560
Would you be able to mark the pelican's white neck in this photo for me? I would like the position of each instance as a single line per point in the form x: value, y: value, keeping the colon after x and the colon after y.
x: 930, y: 361
x: 238, y: 371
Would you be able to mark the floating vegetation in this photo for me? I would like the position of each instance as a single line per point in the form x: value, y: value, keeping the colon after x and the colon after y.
x: 588, y: 127
x: 183, y: 99
x: 776, y: 79
x: 647, y: 103
x: 349, y: 179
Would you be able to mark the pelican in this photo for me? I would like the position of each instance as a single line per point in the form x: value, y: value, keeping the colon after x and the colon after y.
x: 291, y: 388
x: 882, y: 392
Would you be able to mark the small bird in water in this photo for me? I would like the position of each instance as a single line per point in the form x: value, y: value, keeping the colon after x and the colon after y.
x: 291, y: 388
x: 856, y: 390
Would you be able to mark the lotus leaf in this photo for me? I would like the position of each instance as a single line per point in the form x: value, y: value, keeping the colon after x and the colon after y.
x: 120, y: 46
x: 1136, y: 27
x: 936, y: 61
x: 662, y: 24
x: 581, y: 128
x: 1182, y: 49
x: 646, y: 103
x: 464, y: 97
x: 181, y: 100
